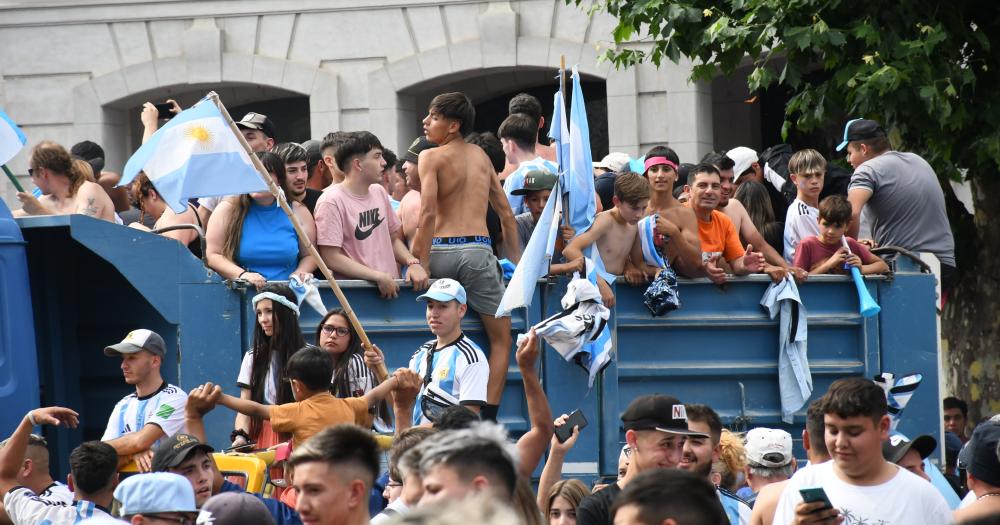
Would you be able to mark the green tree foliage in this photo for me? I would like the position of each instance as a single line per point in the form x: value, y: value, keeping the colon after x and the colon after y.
x: 925, y: 68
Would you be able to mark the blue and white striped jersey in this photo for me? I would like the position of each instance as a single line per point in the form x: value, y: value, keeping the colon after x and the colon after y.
x: 459, y: 369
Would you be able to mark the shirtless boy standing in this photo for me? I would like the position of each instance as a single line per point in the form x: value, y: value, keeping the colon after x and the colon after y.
x: 661, y: 172
x: 457, y: 182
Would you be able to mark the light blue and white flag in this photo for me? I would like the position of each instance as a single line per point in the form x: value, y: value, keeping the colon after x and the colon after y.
x: 579, y: 173
x: 196, y: 154
x: 12, y: 139
x: 535, y: 260
x: 580, y: 165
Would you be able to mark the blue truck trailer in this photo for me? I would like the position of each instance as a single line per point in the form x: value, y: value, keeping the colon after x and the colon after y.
x: 71, y: 285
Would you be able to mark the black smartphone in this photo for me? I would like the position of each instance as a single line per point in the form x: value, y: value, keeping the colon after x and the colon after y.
x: 576, y: 419
x: 812, y: 495
x: 165, y: 110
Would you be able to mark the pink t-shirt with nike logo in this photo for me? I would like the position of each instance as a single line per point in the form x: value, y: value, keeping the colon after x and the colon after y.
x: 362, y: 226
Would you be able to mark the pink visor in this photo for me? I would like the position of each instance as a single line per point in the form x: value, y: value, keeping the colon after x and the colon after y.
x: 655, y: 161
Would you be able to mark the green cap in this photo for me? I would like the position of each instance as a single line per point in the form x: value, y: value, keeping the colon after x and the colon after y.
x: 536, y: 180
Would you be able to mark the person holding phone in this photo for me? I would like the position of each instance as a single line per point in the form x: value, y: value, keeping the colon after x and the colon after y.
x: 859, y: 485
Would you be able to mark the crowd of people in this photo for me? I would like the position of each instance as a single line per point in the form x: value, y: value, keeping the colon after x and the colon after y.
x: 449, y: 209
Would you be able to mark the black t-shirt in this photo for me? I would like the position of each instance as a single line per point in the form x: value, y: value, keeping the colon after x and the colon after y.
x: 310, y: 199
x: 596, y: 508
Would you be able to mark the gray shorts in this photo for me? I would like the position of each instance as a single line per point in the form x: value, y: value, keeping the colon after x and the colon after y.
x: 476, y: 268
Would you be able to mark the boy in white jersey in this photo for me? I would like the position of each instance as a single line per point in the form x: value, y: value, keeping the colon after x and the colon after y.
x: 154, y: 411
x: 453, y: 369
x: 862, y: 486
x: 93, y: 475
x: 807, y: 168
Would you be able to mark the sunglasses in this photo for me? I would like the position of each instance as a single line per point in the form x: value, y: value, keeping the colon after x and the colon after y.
x: 329, y: 329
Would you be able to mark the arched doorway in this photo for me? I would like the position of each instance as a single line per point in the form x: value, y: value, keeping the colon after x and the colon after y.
x: 491, y: 91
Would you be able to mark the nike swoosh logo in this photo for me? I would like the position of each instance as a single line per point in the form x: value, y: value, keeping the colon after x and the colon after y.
x: 361, y: 235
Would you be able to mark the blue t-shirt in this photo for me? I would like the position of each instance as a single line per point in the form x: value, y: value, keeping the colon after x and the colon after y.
x: 269, y: 245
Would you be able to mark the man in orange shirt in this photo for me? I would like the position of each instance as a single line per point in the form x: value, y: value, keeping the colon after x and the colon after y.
x: 720, y: 244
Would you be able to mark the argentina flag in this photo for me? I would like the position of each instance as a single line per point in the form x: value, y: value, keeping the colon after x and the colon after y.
x: 12, y: 139
x: 195, y: 154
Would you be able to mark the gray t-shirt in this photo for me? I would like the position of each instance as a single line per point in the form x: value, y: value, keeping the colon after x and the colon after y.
x: 907, y: 205
x: 525, y: 225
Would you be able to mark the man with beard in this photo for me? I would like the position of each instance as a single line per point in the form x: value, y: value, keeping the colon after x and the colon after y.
x: 297, y: 174
x: 655, y: 429
x: 701, y: 449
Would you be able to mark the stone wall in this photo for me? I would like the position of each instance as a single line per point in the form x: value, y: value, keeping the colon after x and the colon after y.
x: 80, y: 72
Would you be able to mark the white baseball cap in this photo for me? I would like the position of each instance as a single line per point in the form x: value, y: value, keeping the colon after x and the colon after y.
x: 769, y: 447
x: 445, y: 290
x: 743, y: 157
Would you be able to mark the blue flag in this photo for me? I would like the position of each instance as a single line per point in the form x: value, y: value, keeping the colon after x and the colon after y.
x: 195, y: 154
x: 579, y: 173
x: 12, y: 139
x: 535, y: 260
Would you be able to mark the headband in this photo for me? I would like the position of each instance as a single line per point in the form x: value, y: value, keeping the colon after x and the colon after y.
x: 654, y: 161
x: 278, y: 299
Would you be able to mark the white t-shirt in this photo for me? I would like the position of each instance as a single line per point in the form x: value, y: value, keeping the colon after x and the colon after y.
x: 800, y: 222
x: 24, y: 507
x: 459, y: 369
x: 906, y: 499
x: 270, y: 388
x: 164, y: 408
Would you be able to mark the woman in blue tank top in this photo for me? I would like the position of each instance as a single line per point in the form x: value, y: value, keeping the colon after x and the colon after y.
x: 250, y: 237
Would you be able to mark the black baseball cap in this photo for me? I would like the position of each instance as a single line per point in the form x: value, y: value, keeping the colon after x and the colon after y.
x: 257, y: 121
x: 861, y: 129
x: 980, y: 453
x: 175, y: 449
x: 894, y: 448
x: 658, y: 412
x: 419, y: 144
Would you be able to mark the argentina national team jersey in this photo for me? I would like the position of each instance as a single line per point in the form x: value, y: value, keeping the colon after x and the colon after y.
x: 163, y: 408
x: 736, y: 509
x: 458, y: 369
x: 23, y: 506
x: 515, y: 180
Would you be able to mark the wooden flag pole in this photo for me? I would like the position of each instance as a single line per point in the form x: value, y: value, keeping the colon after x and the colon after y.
x: 562, y: 89
x: 381, y: 371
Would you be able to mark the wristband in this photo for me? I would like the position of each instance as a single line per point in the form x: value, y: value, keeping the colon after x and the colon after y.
x: 31, y: 418
x: 238, y: 433
x: 241, y: 274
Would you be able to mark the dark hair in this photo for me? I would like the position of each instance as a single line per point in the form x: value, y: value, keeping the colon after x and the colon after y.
x: 399, y: 168
x: 357, y: 144
x: 631, y: 187
x: 455, y: 106
x: 684, y: 496
x: 835, y: 209
x: 390, y: 158
x: 816, y: 428
x: 700, y: 413
x: 528, y: 105
x: 341, y: 445
x: 954, y: 402
x: 855, y: 396
x: 279, y: 347
x: 719, y: 160
x: 520, y: 128
x: 704, y: 167
x: 290, y: 152
x: 456, y: 417
x: 491, y: 145
x: 311, y: 365
x: 755, y: 198
x: 481, y: 450
x: 273, y: 164
x: 334, y: 139
x: 340, y: 385
x: 876, y: 144
x: 405, y: 441
x: 663, y: 151
x: 94, y: 465
x: 92, y: 153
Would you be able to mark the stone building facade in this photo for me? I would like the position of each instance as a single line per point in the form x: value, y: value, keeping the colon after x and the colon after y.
x: 82, y: 70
